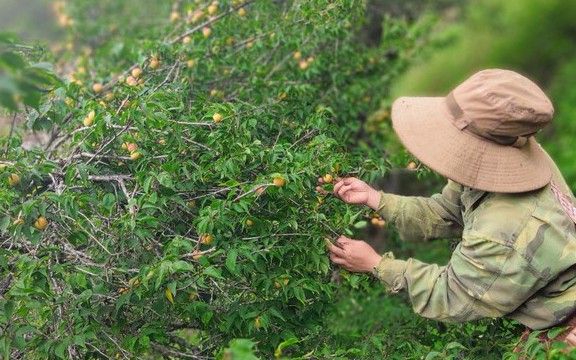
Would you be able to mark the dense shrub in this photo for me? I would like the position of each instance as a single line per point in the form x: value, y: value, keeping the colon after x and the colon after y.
x: 172, y: 210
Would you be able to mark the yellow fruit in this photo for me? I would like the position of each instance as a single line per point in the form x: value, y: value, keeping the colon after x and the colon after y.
x: 162, y: 141
x: 277, y: 284
x: 136, y: 72
x: 249, y: 222
x: 217, y: 117
x: 303, y: 65
x: 374, y: 221
x: 154, y: 63
x: 327, y: 178
x: 257, y: 323
x: 41, y: 223
x: 381, y: 223
x: 285, y: 281
x: 134, y: 282
x: 260, y: 190
x: 196, y: 255
x: 174, y: 16
x: 131, y: 81
x: 207, y: 239
x: 297, y: 55
x: 13, y: 179
x: 197, y: 15
x: 212, y: 9
x: 123, y: 291
x: 109, y: 96
x: 411, y: 165
x: 150, y: 274
x: 206, y: 32
x: 191, y: 63
x: 18, y: 221
x: 169, y: 295
x: 186, y: 39
x: 135, y: 155
x: 230, y: 41
x: 282, y: 96
x: 97, y: 87
x: 131, y: 147
x: 242, y: 12
x: 249, y: 44
x: 91, y: 115
x: 125, y: 146
x: 279, y: 182
x: 88, y: 121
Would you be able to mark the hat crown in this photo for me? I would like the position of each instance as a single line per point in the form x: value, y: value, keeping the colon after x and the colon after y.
x: 502, y: 103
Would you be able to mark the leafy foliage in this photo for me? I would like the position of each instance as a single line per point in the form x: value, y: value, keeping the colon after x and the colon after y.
x: 173, y: 208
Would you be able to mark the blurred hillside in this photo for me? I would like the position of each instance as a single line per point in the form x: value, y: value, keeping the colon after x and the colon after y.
x: 31, y: 20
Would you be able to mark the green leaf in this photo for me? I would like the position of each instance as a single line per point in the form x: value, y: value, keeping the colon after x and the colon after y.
x: 4, y: 223
x: 213, y: 272
x: 361, y: 224
x: 61, y: 348
x: 552, y: 333
x: 231, y: 260
x: 9, y: 309
x: 283, y: 345
x: 433, y: 355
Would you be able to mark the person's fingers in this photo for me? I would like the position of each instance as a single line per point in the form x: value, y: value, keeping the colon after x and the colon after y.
x: 335, y: 250
x: 348, y: 180
x: 343, y: 240
x: 321, y: 191
x: 337, y: 260
x: 343, y: 190
x: 337, y: 187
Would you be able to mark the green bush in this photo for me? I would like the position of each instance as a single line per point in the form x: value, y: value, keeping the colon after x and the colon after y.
x: 173, y: 210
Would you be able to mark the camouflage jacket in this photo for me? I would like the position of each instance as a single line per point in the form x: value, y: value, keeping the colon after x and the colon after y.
x: 517, y: 256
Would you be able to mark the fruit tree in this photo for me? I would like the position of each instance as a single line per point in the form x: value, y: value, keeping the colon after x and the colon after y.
x: 172, y: 210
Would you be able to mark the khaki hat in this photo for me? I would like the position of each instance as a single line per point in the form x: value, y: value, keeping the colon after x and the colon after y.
x: 480, y: 135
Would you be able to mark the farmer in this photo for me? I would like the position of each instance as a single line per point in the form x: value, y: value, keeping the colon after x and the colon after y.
x: 504, y: 198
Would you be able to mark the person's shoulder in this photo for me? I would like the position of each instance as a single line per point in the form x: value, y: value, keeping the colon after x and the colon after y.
x: 511, y: 203
x: 502, y: 216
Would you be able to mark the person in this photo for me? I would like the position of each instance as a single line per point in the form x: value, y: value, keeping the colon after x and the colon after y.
x: 504, y: 198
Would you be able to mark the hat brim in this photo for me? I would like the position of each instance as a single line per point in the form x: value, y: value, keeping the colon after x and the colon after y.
x: 424, y: 126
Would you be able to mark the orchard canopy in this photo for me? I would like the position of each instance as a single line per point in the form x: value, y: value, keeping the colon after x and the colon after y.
x: 171, y: 210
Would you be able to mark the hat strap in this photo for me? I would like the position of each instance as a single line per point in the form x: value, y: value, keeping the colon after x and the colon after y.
x: 463, y: 123
x: 460, y: 121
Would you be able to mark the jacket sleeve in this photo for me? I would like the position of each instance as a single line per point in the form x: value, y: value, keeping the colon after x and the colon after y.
x: 482, y: 279
x: 418, y: 218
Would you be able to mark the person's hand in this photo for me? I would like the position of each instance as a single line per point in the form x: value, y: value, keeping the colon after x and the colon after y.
x: 354, y: 255
x: 355, y: 191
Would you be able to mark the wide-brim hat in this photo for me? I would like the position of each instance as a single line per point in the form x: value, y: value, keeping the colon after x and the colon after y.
x: 481, y: 134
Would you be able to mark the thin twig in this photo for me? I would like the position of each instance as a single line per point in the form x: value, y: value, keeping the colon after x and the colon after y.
x: 12, y: 125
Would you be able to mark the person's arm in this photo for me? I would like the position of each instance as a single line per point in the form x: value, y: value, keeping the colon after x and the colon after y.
x: 482, y: 279
x: 418, y: 218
